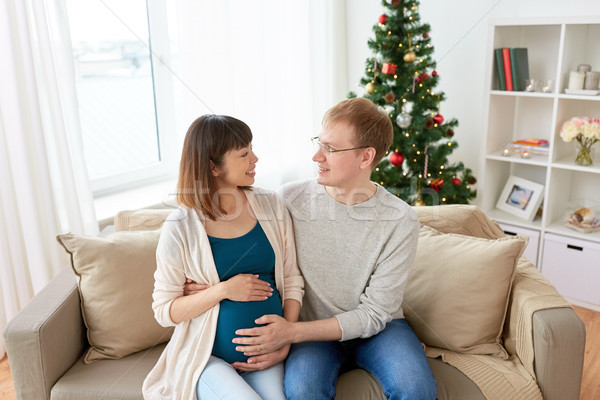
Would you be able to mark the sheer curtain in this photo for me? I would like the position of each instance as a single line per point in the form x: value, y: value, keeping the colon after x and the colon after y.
x: 43, y: 179
x: 276, y: 65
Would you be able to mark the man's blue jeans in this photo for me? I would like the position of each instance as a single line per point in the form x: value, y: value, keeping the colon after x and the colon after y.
x: 394, y: 356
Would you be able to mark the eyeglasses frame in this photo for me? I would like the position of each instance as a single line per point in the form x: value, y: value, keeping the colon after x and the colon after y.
x: 328, y: 149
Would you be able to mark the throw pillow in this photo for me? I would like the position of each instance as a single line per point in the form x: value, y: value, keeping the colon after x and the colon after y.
x: 116, y: 279
x: 457, y: 293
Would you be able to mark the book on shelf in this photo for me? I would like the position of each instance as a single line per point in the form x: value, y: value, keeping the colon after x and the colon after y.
x: 519, y: 64
x: 532, y: 146
x: 532, y: 142
x: 507, y: 69
x: 518, y: 148
x: 500, y: 69
x: 512, y: 68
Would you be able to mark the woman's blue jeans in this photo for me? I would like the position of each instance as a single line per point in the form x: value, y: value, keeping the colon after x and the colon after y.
x: 394, y: 356
x: 220, y: 381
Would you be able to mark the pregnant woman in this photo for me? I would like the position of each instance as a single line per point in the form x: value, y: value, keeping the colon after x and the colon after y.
x: 238, y: 241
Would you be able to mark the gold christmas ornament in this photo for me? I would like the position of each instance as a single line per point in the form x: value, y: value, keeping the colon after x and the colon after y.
x: 410, y: 56
x: 420, y: 203
x: 370, y: 87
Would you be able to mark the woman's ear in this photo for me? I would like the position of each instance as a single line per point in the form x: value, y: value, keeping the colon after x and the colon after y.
x: 368, y: 157
x: 213, y: 169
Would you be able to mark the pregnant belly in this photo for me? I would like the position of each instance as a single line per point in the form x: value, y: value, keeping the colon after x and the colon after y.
x: 234, y: 315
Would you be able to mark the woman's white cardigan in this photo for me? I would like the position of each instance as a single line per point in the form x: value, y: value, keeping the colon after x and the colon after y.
x: 184, y: 252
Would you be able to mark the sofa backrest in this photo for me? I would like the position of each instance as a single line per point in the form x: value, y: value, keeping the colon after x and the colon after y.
x: 455, y: 218
x: 146, y: 219
x: 458, y: 218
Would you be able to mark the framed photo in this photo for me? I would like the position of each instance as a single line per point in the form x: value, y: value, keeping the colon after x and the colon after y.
x: 521, y: 197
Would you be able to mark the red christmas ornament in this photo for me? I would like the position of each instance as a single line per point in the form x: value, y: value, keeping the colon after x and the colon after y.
x: 456, y: 181
x: 437, y: 184
x: 383, y: 19
x: 438, y: 119
x: 422, y: 77
x: 396, y: 158
x: 434, y: 73
x: 389, y: 68
x: 426, y: 35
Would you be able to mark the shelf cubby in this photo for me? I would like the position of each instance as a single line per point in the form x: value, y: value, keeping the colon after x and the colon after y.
x: 556, y: 46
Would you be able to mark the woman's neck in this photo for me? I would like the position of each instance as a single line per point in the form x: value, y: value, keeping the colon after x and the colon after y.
x: 231, y: 200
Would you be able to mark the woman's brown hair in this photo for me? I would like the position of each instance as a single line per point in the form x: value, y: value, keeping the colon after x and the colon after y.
x: 207, y: 139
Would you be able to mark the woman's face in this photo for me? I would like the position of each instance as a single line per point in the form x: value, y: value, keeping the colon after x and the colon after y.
x: 237, y: 169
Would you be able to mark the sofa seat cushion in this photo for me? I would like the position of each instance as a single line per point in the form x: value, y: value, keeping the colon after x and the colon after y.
x: 452, y: 383
x: 122, y: 379
x: 107, y: 379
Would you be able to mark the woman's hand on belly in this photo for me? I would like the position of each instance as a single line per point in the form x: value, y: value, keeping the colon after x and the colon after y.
x: 247, y: 287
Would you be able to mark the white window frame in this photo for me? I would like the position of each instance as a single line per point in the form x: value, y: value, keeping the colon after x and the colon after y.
x: 168, y: 143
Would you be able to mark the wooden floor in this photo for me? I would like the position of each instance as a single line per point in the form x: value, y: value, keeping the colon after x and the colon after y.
x: 7, y: 390
x: 590, y: 385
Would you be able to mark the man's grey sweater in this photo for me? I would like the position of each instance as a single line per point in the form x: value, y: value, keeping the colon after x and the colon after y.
x: 355, y: 259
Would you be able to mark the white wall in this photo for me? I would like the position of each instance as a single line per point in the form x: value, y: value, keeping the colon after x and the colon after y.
x: 459, y: 30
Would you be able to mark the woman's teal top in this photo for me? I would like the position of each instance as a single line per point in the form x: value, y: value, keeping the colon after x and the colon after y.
x: 248, y: 254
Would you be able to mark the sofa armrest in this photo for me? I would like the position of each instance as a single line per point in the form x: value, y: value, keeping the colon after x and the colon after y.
x: 559, y: 346
x: 46, y: 338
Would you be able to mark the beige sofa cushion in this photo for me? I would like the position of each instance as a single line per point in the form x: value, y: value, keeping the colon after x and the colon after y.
x: 459, y: 218
x: 115, y: 279
x: 141, y: 220
x: 457, y: 293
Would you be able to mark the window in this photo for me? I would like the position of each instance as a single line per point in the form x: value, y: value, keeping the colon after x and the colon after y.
x: 116, y: 91
x: 245, y: 59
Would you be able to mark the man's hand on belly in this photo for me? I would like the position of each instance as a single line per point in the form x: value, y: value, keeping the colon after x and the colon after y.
x: 276, y: 333
x: 263, y: 361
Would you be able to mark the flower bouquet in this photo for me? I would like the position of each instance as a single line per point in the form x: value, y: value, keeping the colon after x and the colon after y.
x: 586, y: 131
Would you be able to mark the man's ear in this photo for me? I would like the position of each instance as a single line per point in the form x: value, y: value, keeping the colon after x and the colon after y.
x: 368, y: 157
x: 213, y: 169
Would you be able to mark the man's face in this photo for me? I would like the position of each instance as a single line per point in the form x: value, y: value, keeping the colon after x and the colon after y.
x: 338, y: 169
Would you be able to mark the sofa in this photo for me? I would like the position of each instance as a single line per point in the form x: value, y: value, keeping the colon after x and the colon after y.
x: 539, y: 345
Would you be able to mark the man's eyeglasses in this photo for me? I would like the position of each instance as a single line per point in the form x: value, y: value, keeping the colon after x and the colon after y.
x: 327, y: 150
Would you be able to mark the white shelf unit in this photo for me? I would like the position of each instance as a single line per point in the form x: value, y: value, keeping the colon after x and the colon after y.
x: 555, y: 47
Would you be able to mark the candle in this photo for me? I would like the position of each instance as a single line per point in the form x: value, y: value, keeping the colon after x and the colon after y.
x: 530, y: 85
x: 525, y: 154
x: 547, y: 86
x: 506, y: 151
x: 576, y: 80
x: 591, y: 80
x: 584, y: 68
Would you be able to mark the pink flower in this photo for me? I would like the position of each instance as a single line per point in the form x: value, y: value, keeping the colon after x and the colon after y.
x: 591, y: 129
x: 579, y: 127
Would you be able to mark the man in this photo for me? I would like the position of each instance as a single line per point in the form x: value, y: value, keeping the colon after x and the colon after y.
x: 356, y: 243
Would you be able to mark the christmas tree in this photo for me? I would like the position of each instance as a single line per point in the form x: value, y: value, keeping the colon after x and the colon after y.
x: 401, y: 78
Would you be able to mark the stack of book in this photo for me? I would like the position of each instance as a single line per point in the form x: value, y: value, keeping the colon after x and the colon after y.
x: 512, y: 67
x: 533, y: 146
